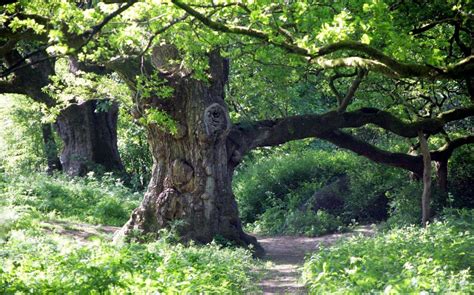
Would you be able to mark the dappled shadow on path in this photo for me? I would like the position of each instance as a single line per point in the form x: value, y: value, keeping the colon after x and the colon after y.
x: 287, y: 253
x: 80, y: 232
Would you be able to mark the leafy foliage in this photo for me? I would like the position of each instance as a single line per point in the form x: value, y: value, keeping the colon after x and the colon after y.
x: 20, y: 135
x: 34, y: 262
x: 407, y: 260
x: 461, y: 173
x: 102, y: 200
x: 134, y: 152
x: 276, y: 193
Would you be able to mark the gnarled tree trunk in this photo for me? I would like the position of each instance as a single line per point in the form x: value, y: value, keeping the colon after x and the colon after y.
x: 192, y: 174
x: 90, y: 138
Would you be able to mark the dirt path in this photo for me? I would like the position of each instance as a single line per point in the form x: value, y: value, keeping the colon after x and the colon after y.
x: 287, y: 253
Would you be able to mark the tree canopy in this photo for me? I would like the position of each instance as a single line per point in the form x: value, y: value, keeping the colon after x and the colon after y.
x: 290, y: 69
x: 283, y: 54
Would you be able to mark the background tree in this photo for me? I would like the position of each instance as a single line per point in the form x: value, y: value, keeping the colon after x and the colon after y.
x: 89, y: 134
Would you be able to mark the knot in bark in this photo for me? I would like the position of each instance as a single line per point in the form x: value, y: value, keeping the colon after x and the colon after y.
x: 216, y: 120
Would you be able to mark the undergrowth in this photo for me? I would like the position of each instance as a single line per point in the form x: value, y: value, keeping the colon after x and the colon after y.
x: 103, y: 200
x: 37, y: 260
x: 276, y: 195
x: 438, y: 259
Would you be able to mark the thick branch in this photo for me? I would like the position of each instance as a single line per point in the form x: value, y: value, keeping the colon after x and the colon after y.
x: 431, y: 25
x: 444, y: 153
x: 275, y: 132
x: 362, y: 148
x: 11, y: 87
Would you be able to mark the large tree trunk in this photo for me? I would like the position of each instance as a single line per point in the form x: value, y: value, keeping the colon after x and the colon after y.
x: 192, y: 177
x: 50, y: 149
x: 90, y: 138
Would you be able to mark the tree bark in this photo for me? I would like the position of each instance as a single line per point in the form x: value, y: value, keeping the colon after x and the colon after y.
x: 50, y: 149
x: 442, y: 179
x: 90, y: 138
x: 426, y: 196
x: 191, y: 180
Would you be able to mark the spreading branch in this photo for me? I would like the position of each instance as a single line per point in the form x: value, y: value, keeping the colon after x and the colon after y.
x: 97, y: 28
x: 377, y: 61
x: 75, y: 42
x: 362, y: 148
x: 11, y: 87
x: 445, y: 152
x: 333, y: 87
x: 275, y: 132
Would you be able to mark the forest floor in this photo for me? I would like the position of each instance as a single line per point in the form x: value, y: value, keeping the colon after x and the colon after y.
x: 285, y: 256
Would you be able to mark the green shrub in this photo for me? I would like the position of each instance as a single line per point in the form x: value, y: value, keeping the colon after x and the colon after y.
x: 461, y: 174
x: 310, y: 223
x: 278, y: 221
x: 437, y: 259
x: 277, y: 178
x: 405, y: 205
x: 90, y: 199
x: 134, y: 151
x: 36, y: 261
x: 277, y: 190
x: 21, y: 142
x: 50, y: 264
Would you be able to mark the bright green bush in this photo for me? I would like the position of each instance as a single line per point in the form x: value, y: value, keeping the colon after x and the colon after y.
x: 91, y: 200
x: 134, y: 151
x: 276, y: 177
x: 438, y: 259
x: 34, y: 262
x: 21, y: 142
x: 405, y: 205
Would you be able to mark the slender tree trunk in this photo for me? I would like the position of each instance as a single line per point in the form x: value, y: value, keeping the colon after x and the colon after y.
x: 426, y: 197
x: 442, y: 178
x: 50, y: 149
x: 192, y: 175
x: 90, y: 138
